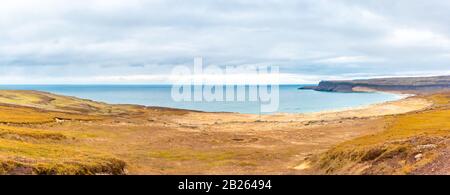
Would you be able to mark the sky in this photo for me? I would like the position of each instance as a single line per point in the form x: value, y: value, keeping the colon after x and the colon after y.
x: 140, y: 42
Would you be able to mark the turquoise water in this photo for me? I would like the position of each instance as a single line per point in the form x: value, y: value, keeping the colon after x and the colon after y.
x: 292, y: 100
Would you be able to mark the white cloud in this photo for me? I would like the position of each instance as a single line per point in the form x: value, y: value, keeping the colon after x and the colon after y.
x: 82, y: 41
x: 405, y: 37
x: 347, y: 60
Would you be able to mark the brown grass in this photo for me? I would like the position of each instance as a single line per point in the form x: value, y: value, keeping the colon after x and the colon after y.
x: 42, y: 133
x: 392, y: 151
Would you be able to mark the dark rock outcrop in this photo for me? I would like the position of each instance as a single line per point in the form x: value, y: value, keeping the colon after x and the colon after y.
x: 309, y: 87
x: 386, y: 84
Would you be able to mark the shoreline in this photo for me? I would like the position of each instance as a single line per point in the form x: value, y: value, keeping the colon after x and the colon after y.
x: 401, y: 98
x: 284, y: 109
x: 406, y: 103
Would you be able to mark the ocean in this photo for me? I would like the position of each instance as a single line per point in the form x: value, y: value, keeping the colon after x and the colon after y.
x: 291, y: 100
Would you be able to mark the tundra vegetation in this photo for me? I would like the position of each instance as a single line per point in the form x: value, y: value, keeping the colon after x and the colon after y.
x: 44, y: 133
x: 410, y: 143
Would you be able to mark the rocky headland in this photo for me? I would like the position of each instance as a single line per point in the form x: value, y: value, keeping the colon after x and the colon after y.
x: 402, y: 84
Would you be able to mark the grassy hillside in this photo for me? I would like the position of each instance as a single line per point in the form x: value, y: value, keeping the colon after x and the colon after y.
x: 409, y: 144
x: 26, y: 148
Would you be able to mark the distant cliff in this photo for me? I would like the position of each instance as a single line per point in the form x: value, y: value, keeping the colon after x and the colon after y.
x: 385, y: 84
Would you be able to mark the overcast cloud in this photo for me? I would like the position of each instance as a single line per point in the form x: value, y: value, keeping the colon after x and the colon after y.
x: 132, y: 41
